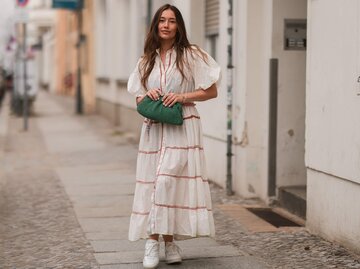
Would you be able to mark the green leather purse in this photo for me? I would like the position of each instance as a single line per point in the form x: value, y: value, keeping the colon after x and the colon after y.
x: 155, y: 110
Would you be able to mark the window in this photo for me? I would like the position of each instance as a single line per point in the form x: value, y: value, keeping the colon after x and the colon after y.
x: 212, y: 26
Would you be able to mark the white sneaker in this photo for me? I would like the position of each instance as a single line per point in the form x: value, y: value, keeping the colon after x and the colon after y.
x: 172, y: 253
x: 151, y: 257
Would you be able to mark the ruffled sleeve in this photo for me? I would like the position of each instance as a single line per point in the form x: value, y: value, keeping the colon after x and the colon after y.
x: 205, y: 72
x: 134, y: 86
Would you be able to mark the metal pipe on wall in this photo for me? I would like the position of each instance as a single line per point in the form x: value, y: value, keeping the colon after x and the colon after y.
x: 230, y: 68
x: 273, y: 100
x: 79, y: 97
x: 26, y: 87
x: 149, y: 14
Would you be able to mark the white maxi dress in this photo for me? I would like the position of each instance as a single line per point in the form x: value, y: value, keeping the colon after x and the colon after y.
x: 172, y: 194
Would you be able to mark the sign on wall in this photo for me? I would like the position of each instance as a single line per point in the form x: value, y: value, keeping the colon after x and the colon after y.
x: 21, y: 12
x: 22, y: 3
x: 68, y: 4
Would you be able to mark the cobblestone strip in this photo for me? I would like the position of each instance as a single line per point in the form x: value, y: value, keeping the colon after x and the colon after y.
x: 38, y: 226
x: 296, y: 249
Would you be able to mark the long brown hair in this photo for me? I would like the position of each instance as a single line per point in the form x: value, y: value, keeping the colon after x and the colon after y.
x: 152, y: 43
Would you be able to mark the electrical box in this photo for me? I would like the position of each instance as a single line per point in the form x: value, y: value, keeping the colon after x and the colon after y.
x: 295, y: 34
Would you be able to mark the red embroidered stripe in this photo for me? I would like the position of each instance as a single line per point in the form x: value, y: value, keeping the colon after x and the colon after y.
x: 145, y: 182
x: 149, y: 152
x: 183, y: 207
x: 191, y: 147
x: 186, y: 177
x: 172, y: 147
x: 172, y: 206
x: 184, y: 118
x: 190, y: 117
x: 140, y: 213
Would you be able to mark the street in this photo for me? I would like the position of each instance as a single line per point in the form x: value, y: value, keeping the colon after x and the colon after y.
x: 66, y: 190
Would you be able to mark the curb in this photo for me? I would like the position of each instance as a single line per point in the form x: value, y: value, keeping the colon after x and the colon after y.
x: 4, y: 120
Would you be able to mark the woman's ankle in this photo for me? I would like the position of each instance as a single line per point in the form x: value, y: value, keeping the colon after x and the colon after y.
x: 154, y: 237
x: 168, y: 238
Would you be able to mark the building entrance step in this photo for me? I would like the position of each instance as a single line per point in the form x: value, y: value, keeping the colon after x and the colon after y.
x: 293, y: 199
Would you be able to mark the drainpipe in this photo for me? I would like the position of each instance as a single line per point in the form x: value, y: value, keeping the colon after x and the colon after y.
x: 273, y: 106
x: 230, y: 68
x: 26, y: 87
x: 149, y: 10
x: 79, y: 97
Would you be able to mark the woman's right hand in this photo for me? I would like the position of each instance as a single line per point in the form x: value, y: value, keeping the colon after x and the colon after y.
x: 154, y: 94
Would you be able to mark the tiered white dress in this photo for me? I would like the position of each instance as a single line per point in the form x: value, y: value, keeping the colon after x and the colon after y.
x: 172, y: 194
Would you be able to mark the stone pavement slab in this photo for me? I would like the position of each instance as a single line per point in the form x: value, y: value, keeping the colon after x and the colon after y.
x: 120, y: 235
x: 96, y: 202
x: 126, y: 245
x: 104, y: 212
x: 241, y: 262
x: 112, y: 224
x: 98, y: 190
x: 187, y: 254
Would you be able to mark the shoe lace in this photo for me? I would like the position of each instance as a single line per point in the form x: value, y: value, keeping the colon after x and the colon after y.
x: 151, y: 250
x: 173, y: 249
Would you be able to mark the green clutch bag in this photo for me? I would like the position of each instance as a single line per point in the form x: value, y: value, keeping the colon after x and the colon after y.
x: 155, y: 110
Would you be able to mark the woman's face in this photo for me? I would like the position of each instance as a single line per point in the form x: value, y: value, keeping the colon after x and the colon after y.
x: 167, y: 25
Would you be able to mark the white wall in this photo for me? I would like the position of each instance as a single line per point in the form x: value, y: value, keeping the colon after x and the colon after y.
x: 333, y: 208
x: 120, y: 33
x: 332, y: 129
x: 101, y: 36
x: 213, y: 112
x: 47, y: 68
x: 6, y: 24
x: 253, y: 26
x: 290, y: 168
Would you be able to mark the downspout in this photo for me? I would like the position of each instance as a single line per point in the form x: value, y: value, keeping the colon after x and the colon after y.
x: 230, y: 68
x: 273, y: 106
x: 79, y: 93
x: 148, y: 17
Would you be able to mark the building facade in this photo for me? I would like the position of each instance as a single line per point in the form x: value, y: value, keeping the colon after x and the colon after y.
x: 332, y: 129
x: 279, y: 94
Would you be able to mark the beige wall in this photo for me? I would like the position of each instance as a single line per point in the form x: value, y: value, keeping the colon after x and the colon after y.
x: 88, y: 57
x: 66, y: 54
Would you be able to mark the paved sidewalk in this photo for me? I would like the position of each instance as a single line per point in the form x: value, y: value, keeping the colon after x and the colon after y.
x: 96, y: 167
x: 101, y: 187
x: 66, y: 196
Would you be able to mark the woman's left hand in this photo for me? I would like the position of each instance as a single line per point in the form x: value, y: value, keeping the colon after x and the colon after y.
x: 171, y: 99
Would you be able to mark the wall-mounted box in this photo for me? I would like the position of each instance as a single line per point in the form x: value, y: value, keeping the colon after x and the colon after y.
x: 295, y: 34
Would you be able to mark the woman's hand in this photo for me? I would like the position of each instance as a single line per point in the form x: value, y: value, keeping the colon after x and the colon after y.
x: 139, y: 99
x: 154, y: 94
x: 171, y: 99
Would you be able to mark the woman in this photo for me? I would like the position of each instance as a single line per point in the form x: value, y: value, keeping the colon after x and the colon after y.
x: 172, y: 195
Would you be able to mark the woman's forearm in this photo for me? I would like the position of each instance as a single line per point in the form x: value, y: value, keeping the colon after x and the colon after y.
x: 171, y: 99
x: 200, y: 95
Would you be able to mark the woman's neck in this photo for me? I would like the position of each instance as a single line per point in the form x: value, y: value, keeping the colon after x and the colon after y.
x: 166, y: 45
